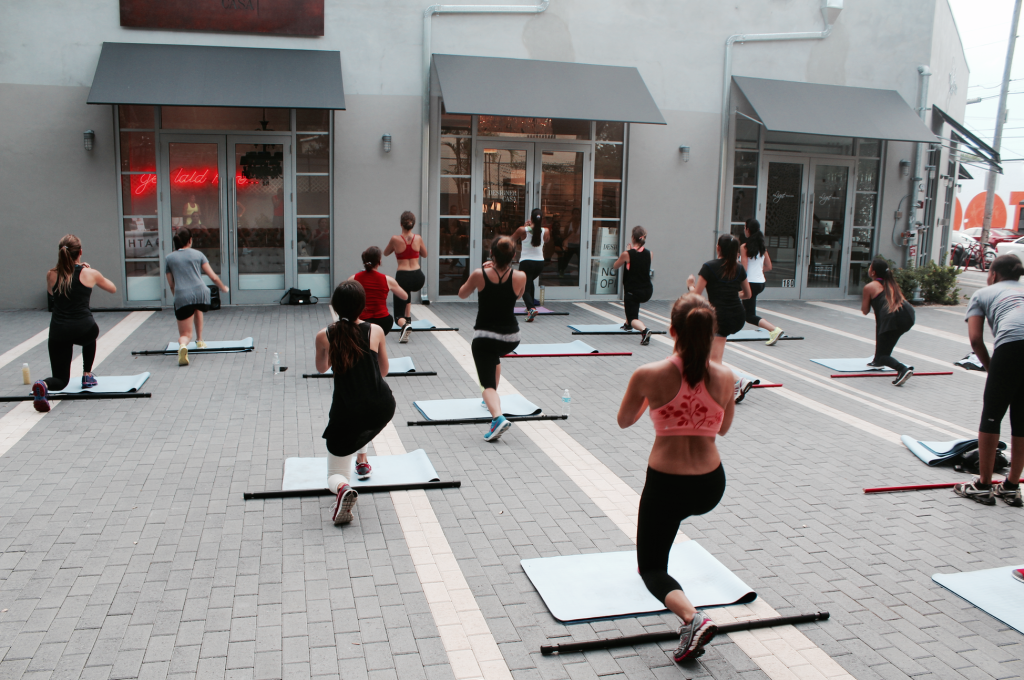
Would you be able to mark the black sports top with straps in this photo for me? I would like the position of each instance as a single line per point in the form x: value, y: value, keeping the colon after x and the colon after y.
x: 901, y: 320
x: 71, y: 306
x: 497, y: 302
x: 638, y: 273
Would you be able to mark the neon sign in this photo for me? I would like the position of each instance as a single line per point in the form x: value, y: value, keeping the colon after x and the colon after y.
x: 184, y: 177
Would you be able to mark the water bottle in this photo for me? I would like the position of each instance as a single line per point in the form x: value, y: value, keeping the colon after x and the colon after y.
x: 277, y: 363
x: 566, y: 401
x: 26, y: 377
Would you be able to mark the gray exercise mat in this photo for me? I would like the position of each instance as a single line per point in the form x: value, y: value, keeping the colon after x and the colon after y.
x: 395, y: 365
x: 221, y: 345
x: 606, y: 329
x: 463, y: 409
x: 422, y: 324
x: 852, y: 365
x: 750, y: 334
x: 106, y: 384
x: 605, y: 585
x: 574, y: 347
x: 994, y: 591
x: 936, y: 453
x: 301, y: 474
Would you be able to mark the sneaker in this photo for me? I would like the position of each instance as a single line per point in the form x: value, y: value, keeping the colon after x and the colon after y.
x: 742, y: 387
x: 363, y: 471
x: 625, y: 327
x: 39, y: 395
x: 498, y: 427
x: 89, y: 381
x: 903, y: 376
x: 971, y: 490
x: 1010, y: 496
x: 406, y: 332
x: 645, y: 336
x: 531, y: 315
x: 182, y: 355
x: 694, y: 636
x: 1019, y: 574
x: 773, y: 337
x: 200, y: 344
x: 343, y: 504
x: 873, y: 364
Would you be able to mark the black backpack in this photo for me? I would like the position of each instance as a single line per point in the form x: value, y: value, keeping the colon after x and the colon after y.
x: 295, y: 296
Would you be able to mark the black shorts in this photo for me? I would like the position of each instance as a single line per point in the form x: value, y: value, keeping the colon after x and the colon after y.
x: 386, y: 323
x: 186, y: 312
x: 1004, y: 390
x: 730, y: 321
x: 487, y: 353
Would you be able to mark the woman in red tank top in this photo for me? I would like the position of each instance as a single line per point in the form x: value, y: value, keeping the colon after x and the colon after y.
x: 377, y: 286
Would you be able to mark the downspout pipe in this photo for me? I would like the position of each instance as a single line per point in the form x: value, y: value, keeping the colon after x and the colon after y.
x: 830, y: 10
x: 924, y: 74
x: 428, y: 14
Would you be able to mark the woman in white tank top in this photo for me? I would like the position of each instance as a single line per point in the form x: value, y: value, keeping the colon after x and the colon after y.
x: 531, y: 259
x: 754, y: 258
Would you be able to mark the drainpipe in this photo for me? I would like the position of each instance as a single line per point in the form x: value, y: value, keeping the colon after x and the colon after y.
x: 913, y: 224
x: 830, y: 10
x: 428, y: 14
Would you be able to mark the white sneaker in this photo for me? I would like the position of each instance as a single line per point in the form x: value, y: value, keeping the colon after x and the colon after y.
x: 742, y: 387
x: 406, y: 332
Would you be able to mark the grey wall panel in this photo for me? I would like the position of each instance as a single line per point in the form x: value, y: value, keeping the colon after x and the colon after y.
x: 50, y: 186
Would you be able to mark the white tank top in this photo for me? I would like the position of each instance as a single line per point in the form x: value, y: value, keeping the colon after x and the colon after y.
x: 531, y: 252
x: 755, y: 269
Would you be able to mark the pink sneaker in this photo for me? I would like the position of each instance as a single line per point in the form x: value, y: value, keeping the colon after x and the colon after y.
x: 344, y: 503
x: 363, y: 471
x: 1019, y: 574
x: 39, y: 396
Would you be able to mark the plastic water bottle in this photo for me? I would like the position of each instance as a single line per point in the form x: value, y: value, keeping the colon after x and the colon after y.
x: 26, y: 377
x: 566, y: 401
x: 277, y: 363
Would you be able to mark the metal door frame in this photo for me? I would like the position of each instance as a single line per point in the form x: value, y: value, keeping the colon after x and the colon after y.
x: 806, y: 292
x: 788, y: 293
x: 579, y: 292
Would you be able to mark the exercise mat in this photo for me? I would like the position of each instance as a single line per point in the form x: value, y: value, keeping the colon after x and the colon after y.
x: 473, y: 409
x: 541, y: 311
x: 605, y: 329
x: 934, y: 454
x: 397, y: 366
x: 852, y: 365
x: 424, y: 325
x: 302, y: 474
x: 106, y: 384
x: 994, y: 591
x: 751, y: 334
x: 574, y: 347
x: 606, y: 585
x: 212, y: 347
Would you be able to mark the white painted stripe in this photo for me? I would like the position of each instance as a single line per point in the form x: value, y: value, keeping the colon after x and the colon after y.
x: 783, y: 653
x: 12, y: 354
x: 945, y: 335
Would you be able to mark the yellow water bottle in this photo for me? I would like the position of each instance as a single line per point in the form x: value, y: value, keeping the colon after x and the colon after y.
x: 26, y: 377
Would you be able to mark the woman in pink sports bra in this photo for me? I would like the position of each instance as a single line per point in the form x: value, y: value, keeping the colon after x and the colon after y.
x: 691, y: 401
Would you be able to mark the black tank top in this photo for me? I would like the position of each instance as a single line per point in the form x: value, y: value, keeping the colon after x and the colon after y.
x: 71, y: 306
x: 638, y: 276
x: 901, y: 320
x: 497, y: 306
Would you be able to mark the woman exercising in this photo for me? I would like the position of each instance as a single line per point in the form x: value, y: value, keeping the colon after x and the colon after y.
x: 496, y: 332
x: 185, y: 267
x: 894, y: 316
x: 407, y: 247
x: 755, y: 260
x: 363, y: 404
x: 377, y: 286
x: 531, y: 258
x: 636, y: 282
x: 71, y: 283
x: 690, y: 398
x: 727, y: 287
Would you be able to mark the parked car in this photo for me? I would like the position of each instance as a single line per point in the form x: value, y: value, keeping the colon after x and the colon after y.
x: 995, y: 236
x: 1015, y: 247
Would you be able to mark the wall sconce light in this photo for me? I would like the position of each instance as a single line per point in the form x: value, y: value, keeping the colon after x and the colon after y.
x: 387, y: 142
x: 685, y: 151
x: 90, y: 139
x: 904, y: 168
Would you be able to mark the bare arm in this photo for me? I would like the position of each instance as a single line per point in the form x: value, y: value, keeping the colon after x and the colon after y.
x: 170, y: 281
x: 865, y: 298
x: 390, y: 247
x: 92, y: 277
x: 697, y: 285
x: 634, y: 401
x: 743, y: 255
x: 518, y: 282
x: 396, y: 289
x: 208, y: 270
x: 473, y: 283
x: 519, y: 234
x: 621, y: 260
x: 51, y: 281
x: 767, y: 266
x: 423, y: 247
x: 323, y: 351
x: 377, y: 343
x: 976, y: 333
x: 723, y: 383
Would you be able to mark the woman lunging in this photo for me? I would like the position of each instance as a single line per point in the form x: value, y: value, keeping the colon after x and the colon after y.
x: 894, y: 316
x: 377, y: 286
x: 755, y: 259
x: 71, y: 283
x: 727, y: 287
x: 363, y: 404
x: 691, y: 402
x: 636, y: 282
x: 531, y: 259
x: 185, y: 267
x: 496, y: 331
x: 407, y: 247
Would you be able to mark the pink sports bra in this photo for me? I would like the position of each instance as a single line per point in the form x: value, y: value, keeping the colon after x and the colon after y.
x: 692, y: 413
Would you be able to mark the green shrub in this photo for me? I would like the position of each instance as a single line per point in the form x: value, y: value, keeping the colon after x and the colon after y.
x: 906, y: 279
x: 938, y: 283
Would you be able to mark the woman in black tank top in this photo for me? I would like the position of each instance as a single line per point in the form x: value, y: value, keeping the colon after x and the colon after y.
x: 894, y: 316
x: 496, y: 331
x: 70, y: 283
x: 636, y: 282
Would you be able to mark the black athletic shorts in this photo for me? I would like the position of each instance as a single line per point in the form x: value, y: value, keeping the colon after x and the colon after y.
x: 730, y: 321
x: 186, y: 312
x: 487, y: 353
x: 1004, y: 390
x: 386, y: 323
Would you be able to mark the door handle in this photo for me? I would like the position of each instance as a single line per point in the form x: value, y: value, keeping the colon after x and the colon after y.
x: 529, y: 195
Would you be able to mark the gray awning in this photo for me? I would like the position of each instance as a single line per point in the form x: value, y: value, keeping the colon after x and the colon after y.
x: 835, y: 110
x: 543, y: 89
x: 195, y: 75
x: 970, y: 142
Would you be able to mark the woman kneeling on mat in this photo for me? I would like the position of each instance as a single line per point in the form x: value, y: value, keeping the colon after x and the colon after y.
x: 691, y: 402
x: 185, y: 267
x: 894, y: 316
x: 377, y: 286
x: 363, y: 404
x: 755, y: 259
x: 407, y: 247
x: 636, y: 282
x: 71, y: 283
x: 496, y: 331
x: 531, y: 258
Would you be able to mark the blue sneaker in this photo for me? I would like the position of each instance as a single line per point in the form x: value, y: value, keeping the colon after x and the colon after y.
x: 498, y: 427
x: 39, y: 395
x: 89, y: 381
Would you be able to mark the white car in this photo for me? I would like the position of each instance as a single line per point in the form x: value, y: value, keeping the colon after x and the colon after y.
x: 1015, y: 247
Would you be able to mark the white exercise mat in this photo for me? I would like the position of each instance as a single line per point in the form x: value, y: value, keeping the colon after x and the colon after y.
x: 606, y: 329
x: 852, y: 365
x: 464, y: 409
x: 994, y: 591
x: 107, y: 384
x: 395, y: 365
x: 422, y: 324
x: 220, y: 345
x: 301, y: 474
x: 574, y: 347
x: 604, y: 585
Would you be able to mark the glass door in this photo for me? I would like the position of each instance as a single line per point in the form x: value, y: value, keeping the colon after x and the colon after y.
x: 262, y: 234
x: 193, y: 167
x: 825, y: 234
x: 782, y: 190
x: 506, y: 194
x: 562, y: 180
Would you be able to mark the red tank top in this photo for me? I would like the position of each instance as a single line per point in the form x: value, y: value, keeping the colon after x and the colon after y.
x: 376, y: 286
x: 409, y: 253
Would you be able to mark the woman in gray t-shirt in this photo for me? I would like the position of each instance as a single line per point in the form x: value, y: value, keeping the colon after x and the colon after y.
x: 185, y: 267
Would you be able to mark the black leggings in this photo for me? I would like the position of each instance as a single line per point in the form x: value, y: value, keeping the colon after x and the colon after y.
x: 750, y: 304
x: 487, y: 354
x: 410, y: 281
x: 62, y: 343
x: 666, y: 501
x: 532, y: 269
x: 885, y: 342
x: 386, y: 323
x: 1004, y: 389
x: 632, y: 299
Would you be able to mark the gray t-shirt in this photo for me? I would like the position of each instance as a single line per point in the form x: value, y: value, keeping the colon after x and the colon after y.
x: 186, y: 266
x: 1003, y: 305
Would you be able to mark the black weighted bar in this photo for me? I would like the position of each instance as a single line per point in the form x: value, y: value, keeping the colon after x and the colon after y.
x: 83, y: 396
x: 477, y: 421
x: 304, y: 493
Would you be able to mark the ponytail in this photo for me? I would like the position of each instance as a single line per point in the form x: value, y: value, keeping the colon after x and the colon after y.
x: 407, y: 220
x: 371, y: 258
x: 69, y: 250
x: 893, y: 295
x: 537, y: 218
x: 730, y: 249
x: 639, y: 235
x: 346, y: 342
x: 755, y: 242
x: 694, y: 322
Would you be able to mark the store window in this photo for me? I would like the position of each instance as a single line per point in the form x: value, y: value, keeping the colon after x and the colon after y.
x: 744, y: 175
x: 456, y: 178
x: 809, y: 144
x: 606, y: 239
x: 137, y: 140
x: 865, y: 212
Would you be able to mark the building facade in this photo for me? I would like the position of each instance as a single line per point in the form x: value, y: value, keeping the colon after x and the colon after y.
x: 287, y: 164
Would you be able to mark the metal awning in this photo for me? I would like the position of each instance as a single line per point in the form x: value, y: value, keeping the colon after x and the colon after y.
x: 834, y: 110
x: 963, y: 174
x: 197, y: 75
x: 543, y: 89
x: 970, y: 140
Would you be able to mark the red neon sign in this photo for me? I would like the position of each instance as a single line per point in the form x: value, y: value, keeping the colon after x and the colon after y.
x: 184, y: 177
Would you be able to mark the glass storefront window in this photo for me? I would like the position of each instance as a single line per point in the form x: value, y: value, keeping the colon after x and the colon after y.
x: 608, y: 161
x: 747, y: 132
x: 455, y: 123
x: 810, y: 144
x: 142, y: 280
x: 865, y: 212
x: 610, y: 132
x: 745, y: 169
x: 743, y: 203
x: 141, y: 237
x: 133, y: 117
x: 312, y: 195
x: 138, y: 152
x: 313, y: 120
x: 456, y: 156
x: 195, y: 195
x: 138, y: 194
x: 312, y: 153
x: 224, y: 118
x: 607, y: 197
x: 533, y: 128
